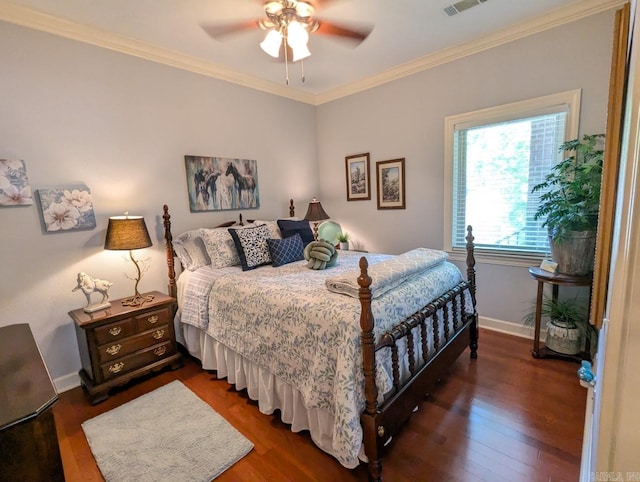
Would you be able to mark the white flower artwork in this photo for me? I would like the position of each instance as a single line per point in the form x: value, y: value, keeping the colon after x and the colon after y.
x: 14, y: 184
x: 68, y: 208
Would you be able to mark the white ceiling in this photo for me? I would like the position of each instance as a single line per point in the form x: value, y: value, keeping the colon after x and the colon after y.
x: 407, y: 36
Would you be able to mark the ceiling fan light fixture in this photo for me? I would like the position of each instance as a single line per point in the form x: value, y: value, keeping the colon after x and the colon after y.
x: 304, y: 9
x: 300, y: 52
x: 273, y: 8
x: 271, y: 43
x: 297, y: 35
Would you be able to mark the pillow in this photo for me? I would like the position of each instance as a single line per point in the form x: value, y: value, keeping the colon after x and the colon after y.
x: 252, y: 247
x: 289, y: 228
x: 287, y: 250
x: 274, y: 230
x: 220, y: 247
x: 190, y: 250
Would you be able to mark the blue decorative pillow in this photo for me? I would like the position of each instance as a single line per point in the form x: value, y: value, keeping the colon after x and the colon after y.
x: 287, y: 250
x: 251, y: 244
x: 289, y: 228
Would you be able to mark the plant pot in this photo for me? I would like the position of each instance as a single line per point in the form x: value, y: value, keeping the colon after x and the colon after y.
x: 344, y: 245
x: 563, y: 337
x: 575, y: 253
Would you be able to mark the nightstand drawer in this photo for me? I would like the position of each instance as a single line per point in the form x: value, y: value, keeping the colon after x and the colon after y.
x: 125, y: 364
x: 120, y: 348
x: 152, y: 319
x: 114, y: 331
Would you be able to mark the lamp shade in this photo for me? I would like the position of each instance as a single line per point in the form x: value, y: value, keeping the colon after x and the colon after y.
x: 315, y: 212
x: 127, y: 232
x: 271, y: 43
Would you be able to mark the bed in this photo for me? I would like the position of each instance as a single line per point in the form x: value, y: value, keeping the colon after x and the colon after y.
x: 346, y: 352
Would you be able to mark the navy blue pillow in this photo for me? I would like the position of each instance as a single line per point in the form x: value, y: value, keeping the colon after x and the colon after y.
x: 251, y: 244
x: 286, y: 250
x: 289, y: 228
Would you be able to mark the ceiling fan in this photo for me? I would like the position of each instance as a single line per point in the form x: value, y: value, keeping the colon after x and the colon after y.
x: 288, y: 24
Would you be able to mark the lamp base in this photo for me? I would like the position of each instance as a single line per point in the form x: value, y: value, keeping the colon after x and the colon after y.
x: 137, y: 300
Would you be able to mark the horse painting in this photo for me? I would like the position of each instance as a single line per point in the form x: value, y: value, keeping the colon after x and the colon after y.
x: 245, y: 185
x: 219, y: 183
x: 205, y: 183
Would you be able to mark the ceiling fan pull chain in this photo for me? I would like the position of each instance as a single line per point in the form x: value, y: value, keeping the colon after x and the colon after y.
x: 286, y: 60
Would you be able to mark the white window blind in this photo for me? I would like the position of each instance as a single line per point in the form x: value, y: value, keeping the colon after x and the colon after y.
x: 496, y: 159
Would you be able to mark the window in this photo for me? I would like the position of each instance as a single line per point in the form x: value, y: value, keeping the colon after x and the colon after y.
x: 493, y: 158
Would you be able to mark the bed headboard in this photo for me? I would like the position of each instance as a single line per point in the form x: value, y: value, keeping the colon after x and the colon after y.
x: 168, y: 241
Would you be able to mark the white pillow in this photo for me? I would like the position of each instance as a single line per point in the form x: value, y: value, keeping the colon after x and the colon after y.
x: 190, y: 249
x: 274, y: 230
x: 220, y: 247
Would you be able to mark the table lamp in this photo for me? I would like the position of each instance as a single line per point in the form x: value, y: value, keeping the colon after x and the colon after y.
x: 315, y: 213
x: 129, y: 233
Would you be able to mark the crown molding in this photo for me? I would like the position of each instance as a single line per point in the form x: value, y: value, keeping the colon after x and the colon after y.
x: 27, y: 17
x: 44, y: 22
x: 562, y: 16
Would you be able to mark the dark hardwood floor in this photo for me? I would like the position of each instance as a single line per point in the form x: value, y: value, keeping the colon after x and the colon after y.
x: 502, y: 417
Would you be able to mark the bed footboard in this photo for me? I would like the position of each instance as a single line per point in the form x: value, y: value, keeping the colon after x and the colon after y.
x: 381, y: 420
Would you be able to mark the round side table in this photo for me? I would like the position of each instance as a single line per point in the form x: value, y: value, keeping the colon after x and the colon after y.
x: 555, y: 280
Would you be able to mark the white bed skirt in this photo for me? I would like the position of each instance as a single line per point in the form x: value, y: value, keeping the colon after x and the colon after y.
x: 270, y: 392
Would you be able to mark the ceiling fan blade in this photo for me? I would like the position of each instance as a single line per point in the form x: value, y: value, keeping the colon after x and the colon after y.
x: 219, y: 31
x: 355, y: 34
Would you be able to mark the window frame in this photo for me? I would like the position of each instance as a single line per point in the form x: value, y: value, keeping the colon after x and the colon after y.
x: 568, y: 101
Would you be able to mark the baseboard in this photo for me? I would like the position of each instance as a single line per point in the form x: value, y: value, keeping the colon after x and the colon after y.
x: 508, y: 327
x: 67, y: 382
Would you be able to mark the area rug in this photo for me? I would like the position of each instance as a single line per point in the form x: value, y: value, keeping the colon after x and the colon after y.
x: 167, y: 434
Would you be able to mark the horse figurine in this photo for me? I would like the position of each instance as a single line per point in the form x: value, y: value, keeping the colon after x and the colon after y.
x: 244, y: 182
x: 90, y: 285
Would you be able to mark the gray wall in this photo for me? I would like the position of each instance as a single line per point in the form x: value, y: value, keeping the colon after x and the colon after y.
x: 406, y: 119
x: 121, y: 125
x: 76, y: 113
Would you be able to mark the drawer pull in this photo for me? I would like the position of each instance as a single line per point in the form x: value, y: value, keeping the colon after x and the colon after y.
x: 115, y: 331
x: 158, y: 334
x: 113, y: 349
x: 161, y: 350
x: 116, y: 367
x: 152, y: 319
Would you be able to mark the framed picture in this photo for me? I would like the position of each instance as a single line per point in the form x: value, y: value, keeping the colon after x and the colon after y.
x: 218, y: 183
x: 358, y: 183
x: 66, y: 209
x: 14, y: 184
x: 390, y: 179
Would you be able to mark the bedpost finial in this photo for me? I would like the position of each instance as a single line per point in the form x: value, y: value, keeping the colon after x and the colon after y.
x: 364, y: 280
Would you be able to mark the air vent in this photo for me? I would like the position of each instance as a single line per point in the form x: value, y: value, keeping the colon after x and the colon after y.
x: 461, y: 6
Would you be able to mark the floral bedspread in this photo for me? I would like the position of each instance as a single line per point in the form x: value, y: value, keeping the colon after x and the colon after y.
x: 285, y: 319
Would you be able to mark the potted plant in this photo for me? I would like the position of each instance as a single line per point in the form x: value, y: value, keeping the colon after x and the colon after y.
x: 343, y: 238
x: 570, y: 202
x: 568, y: 328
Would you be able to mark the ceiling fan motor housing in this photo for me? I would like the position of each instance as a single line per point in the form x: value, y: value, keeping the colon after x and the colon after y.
x: 280, y: 14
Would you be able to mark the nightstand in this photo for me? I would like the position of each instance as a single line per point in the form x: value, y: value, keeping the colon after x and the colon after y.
x: 121, y: 343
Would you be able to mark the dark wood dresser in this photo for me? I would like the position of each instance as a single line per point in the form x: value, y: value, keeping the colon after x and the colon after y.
x: 120, y: 343
x: 28, y: 439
